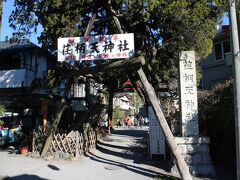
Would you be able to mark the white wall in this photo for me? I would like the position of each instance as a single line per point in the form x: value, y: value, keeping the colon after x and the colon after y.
x: 125, y: 105
x: 12, y: 78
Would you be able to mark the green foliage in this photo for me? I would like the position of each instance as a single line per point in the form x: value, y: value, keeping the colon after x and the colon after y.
x: 118, y: 114
x: 2, y: 109
x: 51, y: 79
x: 216, y: 120
x: 138, y: 101
x: 161, y: 28
x: 1, y: 6
x: 1, y: 122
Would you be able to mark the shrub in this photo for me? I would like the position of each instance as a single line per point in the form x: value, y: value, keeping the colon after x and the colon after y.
x: 1, y: 122
x: 2, y: 109
x: 118, y: 113
x: 216, y: 120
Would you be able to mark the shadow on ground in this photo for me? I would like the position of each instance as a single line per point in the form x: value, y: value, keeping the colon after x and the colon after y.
x: 137, y: 152
x: 24, y: 177
x: 130, y: 132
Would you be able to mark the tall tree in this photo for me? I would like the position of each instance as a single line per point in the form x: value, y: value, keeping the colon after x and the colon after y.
x: 161, y: 28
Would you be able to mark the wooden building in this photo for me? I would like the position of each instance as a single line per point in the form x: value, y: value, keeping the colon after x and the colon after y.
x: 21, y: 64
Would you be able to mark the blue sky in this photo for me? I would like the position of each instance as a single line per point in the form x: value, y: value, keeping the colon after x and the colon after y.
x: 7, y: 31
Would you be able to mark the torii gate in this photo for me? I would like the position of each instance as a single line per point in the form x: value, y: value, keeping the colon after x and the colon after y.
x: 148, y: 92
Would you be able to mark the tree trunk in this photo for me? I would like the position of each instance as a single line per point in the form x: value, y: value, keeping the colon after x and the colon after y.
x: 137, y: 85
x: 90, y: 114
x: 55, y: 123
x: 110, y: 111
x: 178, y: 158
x: 90, y: 24
x: 99, y: 102
x: 105, y: 67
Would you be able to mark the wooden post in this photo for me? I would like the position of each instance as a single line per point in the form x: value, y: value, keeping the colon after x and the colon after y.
x: 77, y: 144
x: 104, y: 67
x: 33, y: 141
x: 178, y: 158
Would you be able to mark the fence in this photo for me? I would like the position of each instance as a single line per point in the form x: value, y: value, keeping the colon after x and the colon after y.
x: 73, y: 143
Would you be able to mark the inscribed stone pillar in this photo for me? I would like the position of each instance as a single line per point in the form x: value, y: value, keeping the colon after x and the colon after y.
x: 188, y: 95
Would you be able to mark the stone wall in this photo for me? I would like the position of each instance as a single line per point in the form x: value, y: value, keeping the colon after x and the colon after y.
x: 196, y: 154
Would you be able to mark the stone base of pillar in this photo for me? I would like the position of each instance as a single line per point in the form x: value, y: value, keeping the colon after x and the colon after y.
x: 196, y: 154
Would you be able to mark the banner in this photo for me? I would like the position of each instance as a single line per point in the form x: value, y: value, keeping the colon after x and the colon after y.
x: 116, y: 46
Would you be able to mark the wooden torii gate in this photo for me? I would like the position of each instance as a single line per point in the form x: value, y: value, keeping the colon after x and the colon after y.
x: 148, y: 90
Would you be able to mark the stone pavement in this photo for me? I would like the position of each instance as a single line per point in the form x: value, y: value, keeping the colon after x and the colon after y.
x: 120, y: 156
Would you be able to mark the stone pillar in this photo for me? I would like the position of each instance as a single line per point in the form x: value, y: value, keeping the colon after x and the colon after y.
x: 188, y: 95
x: 195, y: 149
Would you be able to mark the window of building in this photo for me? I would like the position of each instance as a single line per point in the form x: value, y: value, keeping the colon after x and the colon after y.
x: 220, y: 49
x: 226, y: 47
x: 78, y: 89
x: 10, y: 61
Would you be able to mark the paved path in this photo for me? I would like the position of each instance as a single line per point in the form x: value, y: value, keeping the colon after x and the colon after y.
x: 120, y: 156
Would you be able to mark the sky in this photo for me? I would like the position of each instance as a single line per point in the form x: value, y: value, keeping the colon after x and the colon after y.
x: 7, y: 31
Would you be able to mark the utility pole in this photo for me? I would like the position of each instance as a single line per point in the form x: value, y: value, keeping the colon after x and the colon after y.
x: 1, y: 5
x: 236, y: 67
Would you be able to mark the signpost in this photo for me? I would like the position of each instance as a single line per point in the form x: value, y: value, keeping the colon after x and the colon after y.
x: 116, y: 46
x: 157, y: 139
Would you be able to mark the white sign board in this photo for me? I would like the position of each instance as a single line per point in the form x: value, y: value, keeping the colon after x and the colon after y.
x: 156, y: 136
x: 188, y: 86
x: 116, y: 46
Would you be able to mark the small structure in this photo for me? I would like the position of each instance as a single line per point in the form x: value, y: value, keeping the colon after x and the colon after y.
x: 121, y: 101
